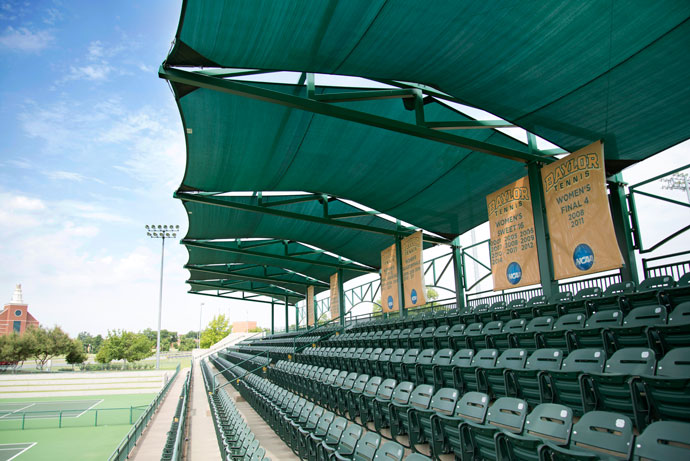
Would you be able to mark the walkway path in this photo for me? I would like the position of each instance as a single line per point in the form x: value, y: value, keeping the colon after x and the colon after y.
x: 203, y: 445
x: 150, y: 445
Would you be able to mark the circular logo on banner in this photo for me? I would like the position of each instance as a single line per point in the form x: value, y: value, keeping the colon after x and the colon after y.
x: 514, y: 273
x: 583, y: 257
x: 413, y: 295
x: 390, y: 302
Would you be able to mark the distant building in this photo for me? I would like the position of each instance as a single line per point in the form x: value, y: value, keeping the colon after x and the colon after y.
x: 243, y: 327
x: 15, y: 314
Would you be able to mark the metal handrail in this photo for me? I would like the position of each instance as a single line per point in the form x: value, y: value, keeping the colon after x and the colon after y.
x: 237, y: 364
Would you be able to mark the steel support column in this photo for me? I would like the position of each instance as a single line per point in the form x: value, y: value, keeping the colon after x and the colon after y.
x: 621, y: 223
x: 401, y: 287
x: 459, y: 272
x: 273, y: 325
x: 341, y: 298
x: 287, y: 321
x: 549, y: 285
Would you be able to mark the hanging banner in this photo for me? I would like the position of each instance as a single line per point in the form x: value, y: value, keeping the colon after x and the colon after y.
x: 413, y: 270
x: 514, y: 260
x: 389, y: 280
x: 310, y: 305
x: 335, y: 297
x: 583, y: 240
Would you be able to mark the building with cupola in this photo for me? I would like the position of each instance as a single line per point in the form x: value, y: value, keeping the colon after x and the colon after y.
x: 15, y: 315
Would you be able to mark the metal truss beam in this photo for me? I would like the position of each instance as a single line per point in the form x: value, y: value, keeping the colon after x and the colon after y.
x: 228, y: 203
x: 268, y: 279
x: 288, y: 292
x: 318, y: 107
x: 235, y: 298
x: 212, y: 246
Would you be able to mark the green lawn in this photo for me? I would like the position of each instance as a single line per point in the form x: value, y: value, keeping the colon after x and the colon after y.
x: 78, y: 438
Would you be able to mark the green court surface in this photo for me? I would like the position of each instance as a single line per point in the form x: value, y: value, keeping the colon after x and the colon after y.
x: 84, y: 428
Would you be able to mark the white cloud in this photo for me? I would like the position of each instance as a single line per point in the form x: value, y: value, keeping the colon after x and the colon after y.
x: 25, y: 40
x: 52, y: 16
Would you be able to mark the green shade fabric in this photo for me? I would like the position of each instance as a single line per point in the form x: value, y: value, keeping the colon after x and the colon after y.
x: 570, y: 72
x: 218, y: 289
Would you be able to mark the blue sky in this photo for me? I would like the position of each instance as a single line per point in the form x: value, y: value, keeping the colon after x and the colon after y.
x: 92, y: 150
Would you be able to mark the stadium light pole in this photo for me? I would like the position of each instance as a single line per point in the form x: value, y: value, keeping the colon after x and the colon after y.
x: 677, y: 181
x: 201, y: 310
x: 161, y: 232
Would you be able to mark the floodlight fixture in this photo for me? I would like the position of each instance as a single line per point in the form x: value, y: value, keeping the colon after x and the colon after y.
x: 677, y: 181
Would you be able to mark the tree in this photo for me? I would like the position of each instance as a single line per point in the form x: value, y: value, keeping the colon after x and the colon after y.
x: 376, y: 309
x: 217, y: 329
x: 14, y: 350
x: 187, y: 344
x: 76, y: 354
x: 92, y: 344
x: 46, y: 344
x: 124, y: 345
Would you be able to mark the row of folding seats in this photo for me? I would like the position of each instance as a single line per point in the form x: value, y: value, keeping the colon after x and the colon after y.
x: 312, y: 432
x: 631, y: 381
x: 474, y: 429
x: 607, y: 329
x: 623, y: 296
x: 235, y: 439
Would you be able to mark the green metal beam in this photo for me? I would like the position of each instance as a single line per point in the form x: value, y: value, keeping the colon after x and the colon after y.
x: 322, y: 108
x: 621, y: 224
x: 365, y: 95
x: 187, y: 197
x: 212, y: 246
x: 469, y: 125
x: 306, y: 198
x: 252, y: 290
x: 229, y: 297
x: 459, y: 272
x: 257, y: 278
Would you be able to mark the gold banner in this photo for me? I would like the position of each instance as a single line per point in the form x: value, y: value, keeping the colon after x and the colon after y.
x: 413, y: 270
x: 389, y: 280
x: 310, y: 305
x: 514, y: 261
x: 583, y: 240
x: 335, y: 297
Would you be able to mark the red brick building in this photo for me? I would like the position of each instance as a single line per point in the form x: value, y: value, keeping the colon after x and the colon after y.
x: 15, y: 315
x: 243, y: 327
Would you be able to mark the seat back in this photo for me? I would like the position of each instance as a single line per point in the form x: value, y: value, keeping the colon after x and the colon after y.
x: 389, y: 451
x: 444, y: 401
x: 590, y: 360
x: 512, y: 358
x: 349, y: 439
x: 473, y: 406
x: 428, y: 333
x: 498, y: 306
x: 603, y: 432
x: 441, y: 331
x: 306, y: 411
x: 681, y: 314
x: 415, y: 336
x: 385, y: 389
x: 632, y: 361
x: 442, y: 357
x: 349, y: 380
x: 335, y: 431
x: 620, y: 288
x: 397, y: 355
x: 589, y: 292
x: 425, y: 357
x: 324, y: 423
x: 462, y: 358
x: 366, y: 447
x: 569, y: 322
x: 314, y: 417
x: 375, y: 354
x: 360, y: 383
x: 402, y: 392
x: 386, y: 354
x: 605, y: 319
x: 663, y: 440
x: 420, y: 398
x: 561, y: 297
x: 492, y: 328
x: 543, y: 323
x: 474, y: 329
x: 410, y: 356
x: 485, y: 358
x: 550, y: 421
x: 508, y: 413
x: 675, y: 364
x: 684, y: 280
x: 645, y: 316
x: 372, y: 386
x: 654, y: 283
x: 545, y: 359
x: 514, y: 326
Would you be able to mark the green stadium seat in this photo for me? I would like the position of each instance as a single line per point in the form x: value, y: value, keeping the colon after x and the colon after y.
x: 445, y: 437
x: 370, y: 366
x: 383, y: 391
x: 456, y: 336
x: 348, y: 442
x: 491, y: 379
x: 305, y: 431
x: 681, y: 292
x: 583, y: 302
x: 663, y: 441
x: 663, y: 338
x: 319, y: 433
x: 597, y: 435
x: 395, y: 364
x: 330, y: 442
x: 295, y: 425
x: 525, y: 339
x: 343, y: 391
x: 555, y: 306
x: 427, y: 339
x: 465, y: 377
x: 353, y: 394
x: 507, y: 414
x: 424, y: 371
x: 404, y: 338
x: 505, y: 339
x: 633, y: 331
x: 475, y: 334
x: 393, y: 339
x: 441, y: 337
x: 563, y: 386
x: 516, y: 307
x: 547, y: 421
x: 423, y: 360
x: 359, y: 399
x: 382, y: 362
x: 444, y: 375
x: 611, y: 391
x: 366, y: 447
x: 415, y: 339
x: 499, y: 311
x: 385, y: 338
x: 524, y: 383
x: 420, y: 399
x: 361, y: 364
x: 556, y: 338
x: 591, y: 334
x: 443, y: 403
x: 390, y: 451
x: 382, y: 407
x: 652, y: 290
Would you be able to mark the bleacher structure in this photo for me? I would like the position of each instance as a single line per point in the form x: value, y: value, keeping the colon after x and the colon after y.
x: 605, y: 377
x: 322, y: 137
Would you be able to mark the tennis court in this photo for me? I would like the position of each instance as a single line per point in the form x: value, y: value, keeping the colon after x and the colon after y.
x: 43, y: 409
x: 10, y: 451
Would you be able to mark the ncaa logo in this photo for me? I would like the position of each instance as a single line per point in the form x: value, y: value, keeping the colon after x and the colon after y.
x: 413, y: 295
x: 390, y: 302
x: 583, y: 257
x: 514, y: 273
